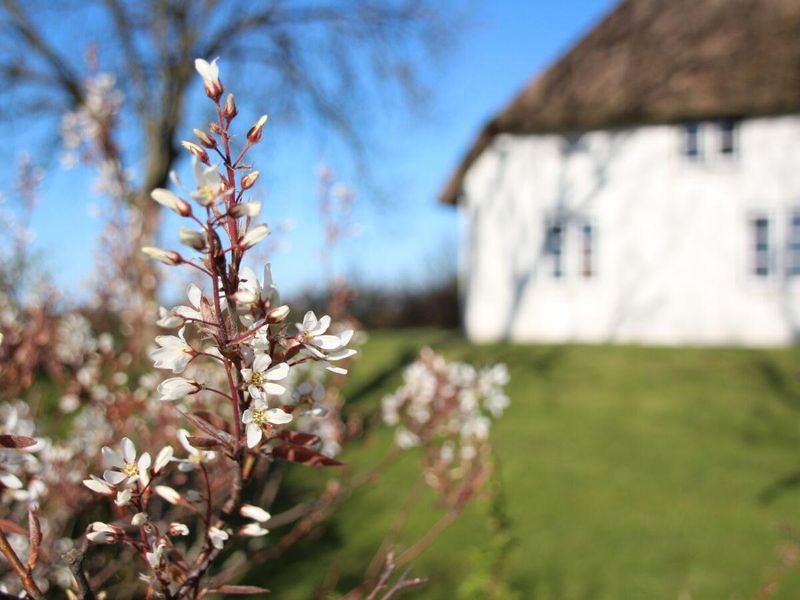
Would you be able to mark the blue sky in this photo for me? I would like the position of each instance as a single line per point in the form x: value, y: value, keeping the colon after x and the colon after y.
x: 407, y: 237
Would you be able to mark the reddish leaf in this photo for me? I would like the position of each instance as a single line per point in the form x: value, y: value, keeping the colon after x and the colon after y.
x: 207, y: 428
x: 215, y: 420
x: 298, y: 438
x: 204, y: 442
x: 10, y: 527
x: 304, y: 456
x: 34, y: 537
x: 239, y: 590
x: 16, y: 441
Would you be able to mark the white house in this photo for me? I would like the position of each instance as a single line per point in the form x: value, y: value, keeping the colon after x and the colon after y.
x: 646, y: 187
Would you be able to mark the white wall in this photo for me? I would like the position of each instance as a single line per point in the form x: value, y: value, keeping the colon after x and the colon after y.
x: 673, y: 243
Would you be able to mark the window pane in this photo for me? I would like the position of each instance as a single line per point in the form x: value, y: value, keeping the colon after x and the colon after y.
x: 587, y: 250
x: 793, y: 258
x: 762, y: 260
x: 692, y: 134
x: 555, y: 247
x: 727, y: 141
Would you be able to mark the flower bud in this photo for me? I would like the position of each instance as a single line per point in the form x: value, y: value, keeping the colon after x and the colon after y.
x: 254, y: 512
x: 278, y: 314
x: 205, y: 139
x: 103, y: 533
x: 198, y: 151
x: 229, y: 110
x: 253, y: 530
x: 139, y: 519
x: 176, y: 388
x: 246, y: 209
x: 171, y: 201
x: 210, y: 74
x: 218, y: 537
x: 250, y: 179
x: 169, y: 494
x: 168, y: 257
x: 162, y: 459
x: 193, y: 239
x: 253, y: 236
x: 177, y: 529
x: 254, y: 135
x: 123, y: 497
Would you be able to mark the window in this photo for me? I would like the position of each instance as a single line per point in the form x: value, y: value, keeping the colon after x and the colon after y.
x: 692, y: 140
x: 793, y: 245
x: 587, y: 250
x: 727, y: 137
x: 554, y: 247
x: 762, y: 255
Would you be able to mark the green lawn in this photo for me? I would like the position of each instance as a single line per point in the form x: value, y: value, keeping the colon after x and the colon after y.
x: 623, y: 472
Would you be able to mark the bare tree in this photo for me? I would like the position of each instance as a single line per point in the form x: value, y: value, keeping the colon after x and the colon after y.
x: 321, y: 58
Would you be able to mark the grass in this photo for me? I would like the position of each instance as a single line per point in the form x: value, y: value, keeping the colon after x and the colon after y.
x: 623, y: 472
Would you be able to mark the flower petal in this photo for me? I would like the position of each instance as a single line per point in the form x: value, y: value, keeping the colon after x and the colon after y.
x: 276, y: 416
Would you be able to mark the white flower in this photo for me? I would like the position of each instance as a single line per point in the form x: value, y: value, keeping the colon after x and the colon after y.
x: 259, y: 415
x: 255, y: 291
x: 176, y: 388
x: 123, y: 466
x: 246, y: 209
x: 139, y: 519
x: 11, y: 481
x: 173, y: 354
x: 195, y: 296
x: 209, y: 71
x: 167, y: 319
x: 312, y: 334
x: 210, y: 187
x: 253, y: 236
x: 154, y: 558
x: 497, y: 403
x: 261, y: 376
x: 196, y: 456
x: 405, y: 438
x: 256, y: 513
x: 253, y: 530
x: 217, y: 537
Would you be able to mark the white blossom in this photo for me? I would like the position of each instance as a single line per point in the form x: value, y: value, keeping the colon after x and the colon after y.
x: 167, y: 318
x: 174, y: 353
x: 254, y: 235
x: 218, y: 537
x: 123, y: 466
x: 258, y: 415
x: 176, y: 388
x: 262, y: 375
x: 196, y: 456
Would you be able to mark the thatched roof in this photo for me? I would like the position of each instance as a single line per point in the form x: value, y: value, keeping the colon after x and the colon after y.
x: 661, y: 61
